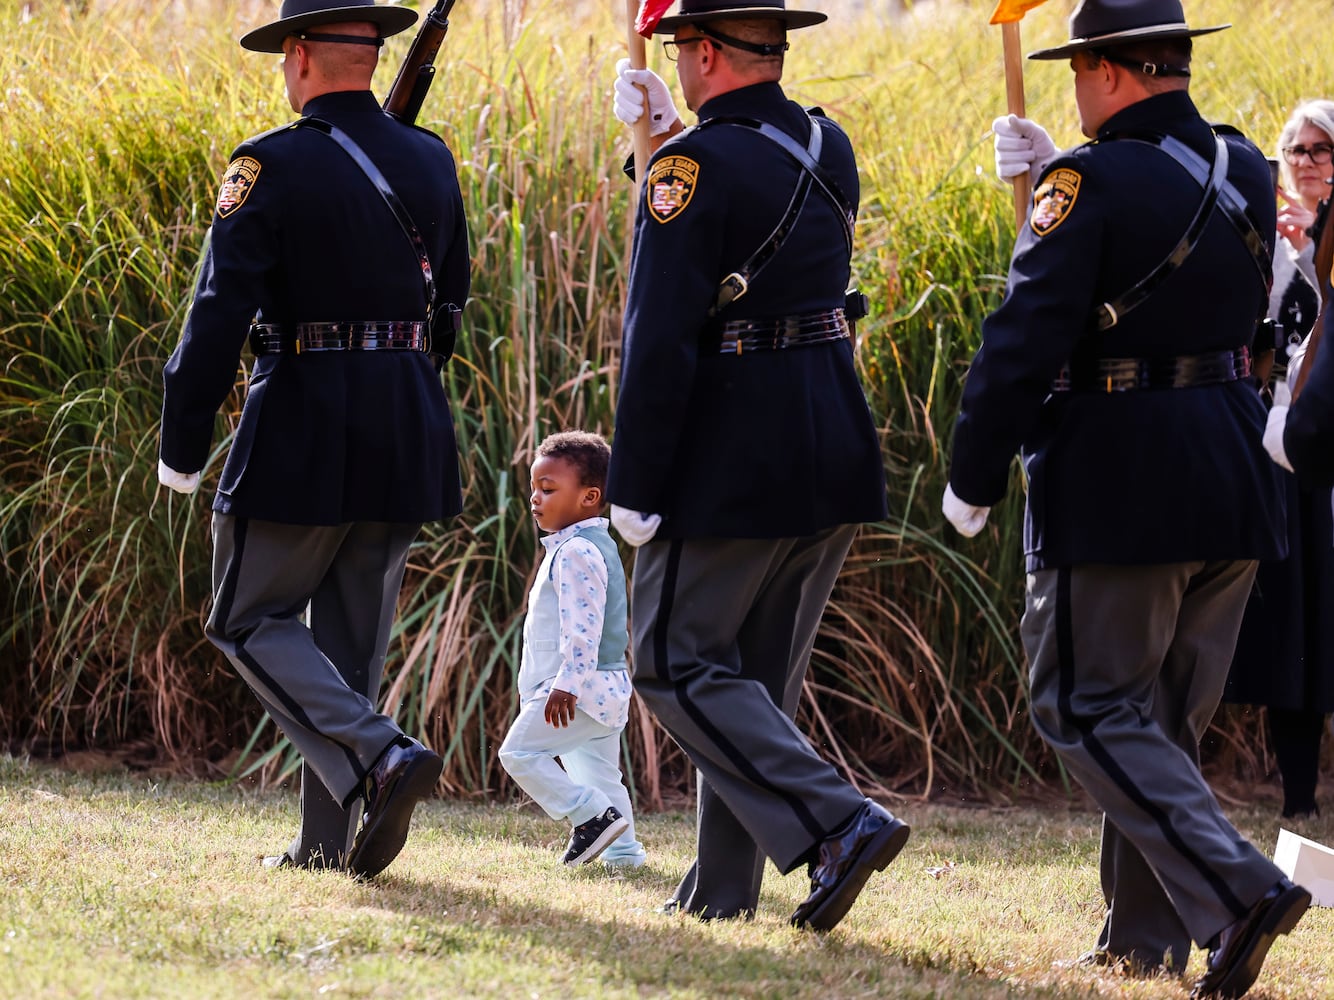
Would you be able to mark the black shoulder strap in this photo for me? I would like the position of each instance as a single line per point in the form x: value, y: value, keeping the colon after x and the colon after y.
x: 1110, y: 313
x: 1218, y: 192
x: 828, y: 185
x: 1230, y: 200
x: 736, y: 284
x: 396, y: 206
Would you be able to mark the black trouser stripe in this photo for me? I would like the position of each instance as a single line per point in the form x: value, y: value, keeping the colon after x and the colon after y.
x: 227, y: 592
x: 665, y: 599
x: 1065, y: 647
x: 661, y: 629
x: 226, y: 596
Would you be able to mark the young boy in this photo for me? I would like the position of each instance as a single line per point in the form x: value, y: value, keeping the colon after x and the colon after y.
x: 574, y: 688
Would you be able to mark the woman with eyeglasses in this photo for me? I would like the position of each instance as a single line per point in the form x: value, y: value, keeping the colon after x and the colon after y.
x: 1305, y: 150
x: 1285, y: 652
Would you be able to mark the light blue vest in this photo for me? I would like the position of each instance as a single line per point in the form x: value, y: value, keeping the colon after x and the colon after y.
x: 541, y: 631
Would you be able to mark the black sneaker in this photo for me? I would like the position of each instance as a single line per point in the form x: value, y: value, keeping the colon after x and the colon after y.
x: 590, y: 839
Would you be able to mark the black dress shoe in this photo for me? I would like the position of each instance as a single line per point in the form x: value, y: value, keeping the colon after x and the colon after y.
x: 869, y: 842
x: 405, y: 773
x: 1235, y: 961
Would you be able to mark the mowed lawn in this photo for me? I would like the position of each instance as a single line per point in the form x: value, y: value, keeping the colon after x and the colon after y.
x: 123, y: 885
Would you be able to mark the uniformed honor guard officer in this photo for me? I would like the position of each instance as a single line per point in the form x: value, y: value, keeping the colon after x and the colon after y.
x: 339, y: 248
x: 1118, y: 364
x: 745, y: 454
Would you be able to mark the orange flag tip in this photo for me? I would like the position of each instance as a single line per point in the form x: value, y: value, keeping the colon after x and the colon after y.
x: 1008, y: 11
x: 651, y: 12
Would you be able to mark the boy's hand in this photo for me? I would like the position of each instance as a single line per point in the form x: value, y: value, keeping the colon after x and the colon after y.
x: 560, y: 708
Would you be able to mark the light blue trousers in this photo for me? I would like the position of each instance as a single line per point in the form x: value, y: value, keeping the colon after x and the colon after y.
x: 589, y: 782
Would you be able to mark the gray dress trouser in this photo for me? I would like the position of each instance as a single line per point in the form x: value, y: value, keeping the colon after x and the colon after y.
x: 723, y: 632
x: 1127, y: 669
x: 318, y: 683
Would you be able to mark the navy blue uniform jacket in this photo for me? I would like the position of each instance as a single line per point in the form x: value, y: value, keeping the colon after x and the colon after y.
x: 768, y: 444
x: 301, y: 235
x: 1140, y: 477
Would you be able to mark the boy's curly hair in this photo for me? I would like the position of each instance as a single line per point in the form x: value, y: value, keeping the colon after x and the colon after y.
x: 586, y: 451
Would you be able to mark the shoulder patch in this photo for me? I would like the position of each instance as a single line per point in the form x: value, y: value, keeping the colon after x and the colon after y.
x: 238, y: 180
x: 671, y: 183
x: 1054, y: 199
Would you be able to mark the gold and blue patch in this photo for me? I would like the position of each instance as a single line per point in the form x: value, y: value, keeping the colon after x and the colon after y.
x: 671, y: 184
x: 1054, y: 199
x: 238, y: 180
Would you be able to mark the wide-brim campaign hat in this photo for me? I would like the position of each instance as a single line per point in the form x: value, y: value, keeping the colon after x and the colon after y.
x: 1097, y: 23
x: 703, y: 11
x: 297, y: 15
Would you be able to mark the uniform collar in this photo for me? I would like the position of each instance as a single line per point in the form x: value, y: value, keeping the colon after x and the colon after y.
x: 742, y: 101
x: 556, y: 537
x: 341, y: 100
x: 1151, y: 114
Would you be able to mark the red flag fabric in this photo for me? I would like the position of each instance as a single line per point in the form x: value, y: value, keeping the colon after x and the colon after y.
x: 1013, y: 10
x: 651, y: 12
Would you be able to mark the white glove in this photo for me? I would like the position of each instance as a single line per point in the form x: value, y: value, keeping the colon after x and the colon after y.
x: 1278, y: 420
x: 635, y: 528
x: 628, y: 99
x: 181, y: 482
x: 1295, y: 361
x: 967, y: 519
x: 1021, y: 145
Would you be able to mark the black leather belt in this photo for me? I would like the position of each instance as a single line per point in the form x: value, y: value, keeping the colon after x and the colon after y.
x: 1129, y: 374
x: 370, y: 335
x: 740, y: 335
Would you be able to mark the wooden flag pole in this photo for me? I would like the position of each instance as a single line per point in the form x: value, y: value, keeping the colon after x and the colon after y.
x: 1014, y: 103
x: 638, y: 60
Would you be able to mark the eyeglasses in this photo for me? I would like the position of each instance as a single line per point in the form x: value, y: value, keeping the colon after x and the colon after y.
x: 672, y: 47
x: 1321, y: 153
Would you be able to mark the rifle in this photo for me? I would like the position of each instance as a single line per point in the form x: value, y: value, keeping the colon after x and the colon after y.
x: 405, y: 97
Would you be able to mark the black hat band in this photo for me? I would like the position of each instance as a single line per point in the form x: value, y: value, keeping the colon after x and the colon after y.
x: 321, y: 36
x: 759, y: 48
x: 1147, y: 68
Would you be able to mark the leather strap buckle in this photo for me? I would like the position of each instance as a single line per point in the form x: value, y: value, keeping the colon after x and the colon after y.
x: 731, y: 288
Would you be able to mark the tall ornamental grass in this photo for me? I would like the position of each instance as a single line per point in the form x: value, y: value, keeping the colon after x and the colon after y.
x: 115, y: 123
